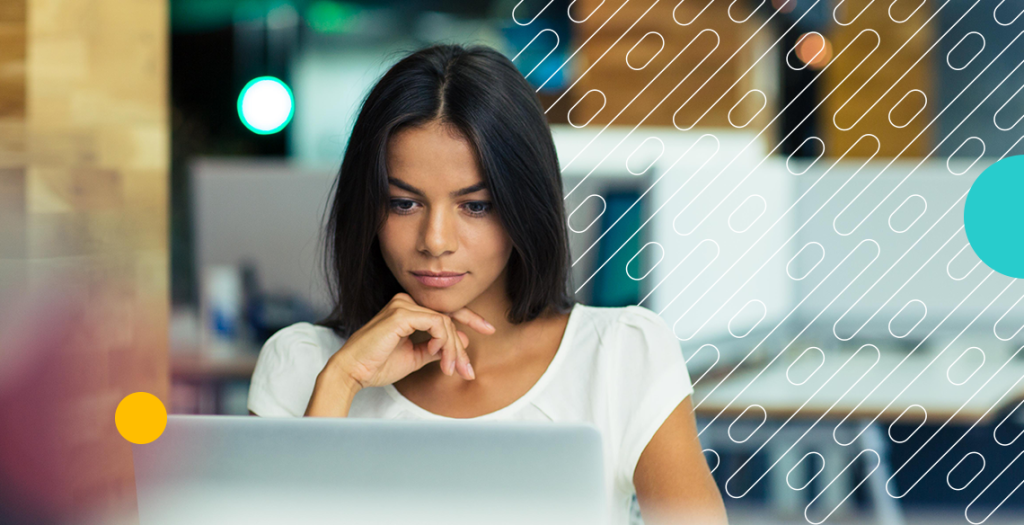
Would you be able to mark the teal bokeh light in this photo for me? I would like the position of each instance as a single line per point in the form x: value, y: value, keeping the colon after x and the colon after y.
x: 993, y: 219
x: 266, y: 105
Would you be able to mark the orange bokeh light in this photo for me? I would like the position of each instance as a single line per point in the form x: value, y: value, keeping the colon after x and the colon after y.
x: 814, y: 50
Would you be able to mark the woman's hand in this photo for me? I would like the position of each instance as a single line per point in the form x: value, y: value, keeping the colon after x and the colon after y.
x: 383, y: 350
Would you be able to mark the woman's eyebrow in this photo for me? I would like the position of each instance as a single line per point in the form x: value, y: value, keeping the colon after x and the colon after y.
x: 458, y: 193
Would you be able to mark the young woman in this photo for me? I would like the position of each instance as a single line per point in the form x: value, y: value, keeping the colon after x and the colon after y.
x: 446, y: 243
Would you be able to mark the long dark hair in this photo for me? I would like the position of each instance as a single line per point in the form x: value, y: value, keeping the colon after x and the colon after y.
x: 481, y: 93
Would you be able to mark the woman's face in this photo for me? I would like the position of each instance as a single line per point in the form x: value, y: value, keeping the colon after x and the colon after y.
x: 441, y: 219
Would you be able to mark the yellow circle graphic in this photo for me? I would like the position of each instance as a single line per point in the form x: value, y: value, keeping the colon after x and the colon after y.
x: 140, y: 418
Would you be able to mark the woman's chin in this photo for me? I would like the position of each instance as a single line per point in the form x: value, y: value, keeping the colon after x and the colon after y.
x: 438, y: 299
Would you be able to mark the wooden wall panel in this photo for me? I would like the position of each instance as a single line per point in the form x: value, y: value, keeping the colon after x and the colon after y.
x: 12, y: 136
x: 84, y: 154
x: 877, y: 62
x: 12, y: 84
x: 703, y: 83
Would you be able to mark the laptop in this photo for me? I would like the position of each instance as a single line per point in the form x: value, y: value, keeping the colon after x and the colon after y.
x: 251, y: 470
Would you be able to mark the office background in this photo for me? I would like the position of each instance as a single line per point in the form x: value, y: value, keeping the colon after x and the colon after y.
x: 782, y: 180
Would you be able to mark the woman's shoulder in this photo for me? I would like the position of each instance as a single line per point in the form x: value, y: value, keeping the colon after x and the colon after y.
x: 304, y: 330
x: 607, y: 322
x: 630, y: 340
x: 304, y: 337
x: 616, y: 356
x: 645, y: 319
x: 286, y: 369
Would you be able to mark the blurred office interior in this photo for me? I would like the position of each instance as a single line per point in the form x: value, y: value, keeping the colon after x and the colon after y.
x: 648, y: 110
x: 782, y: 180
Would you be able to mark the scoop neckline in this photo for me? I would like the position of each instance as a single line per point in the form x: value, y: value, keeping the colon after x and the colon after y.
x: 545, y: 378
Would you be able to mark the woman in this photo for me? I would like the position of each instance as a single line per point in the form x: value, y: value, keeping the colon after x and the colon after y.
x: 447, y: 243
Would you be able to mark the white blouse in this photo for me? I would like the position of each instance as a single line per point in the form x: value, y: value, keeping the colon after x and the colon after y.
x: 618, y: 368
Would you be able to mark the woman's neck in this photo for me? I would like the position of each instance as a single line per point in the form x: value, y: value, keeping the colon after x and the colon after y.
x: 508, y: 339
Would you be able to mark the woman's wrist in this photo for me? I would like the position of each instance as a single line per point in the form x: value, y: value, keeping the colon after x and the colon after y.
x: 333, y: 392
x: 338, y: 371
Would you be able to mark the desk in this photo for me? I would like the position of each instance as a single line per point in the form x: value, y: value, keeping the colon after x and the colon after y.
x: 208, y: 376
x: 851, y: 393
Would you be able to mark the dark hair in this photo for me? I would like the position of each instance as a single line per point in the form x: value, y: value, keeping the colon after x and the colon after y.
x: 480, y: 92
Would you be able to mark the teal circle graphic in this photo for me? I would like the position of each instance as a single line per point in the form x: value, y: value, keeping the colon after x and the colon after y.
x: 994, y: 216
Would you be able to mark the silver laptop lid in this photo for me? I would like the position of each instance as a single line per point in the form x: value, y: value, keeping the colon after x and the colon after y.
x: 251, y: 470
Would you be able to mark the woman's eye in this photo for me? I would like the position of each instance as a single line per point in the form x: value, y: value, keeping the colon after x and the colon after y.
x: 479, y: 207
x: 475, y: 208
x: 398, y: 205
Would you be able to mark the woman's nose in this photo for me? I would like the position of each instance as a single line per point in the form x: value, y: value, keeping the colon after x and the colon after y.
x: 440, y: 236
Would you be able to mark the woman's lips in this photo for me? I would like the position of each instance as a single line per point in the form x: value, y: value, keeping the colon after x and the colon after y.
x: 438, y: 282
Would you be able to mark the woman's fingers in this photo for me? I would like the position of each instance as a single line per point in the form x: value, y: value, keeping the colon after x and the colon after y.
x: 462, y: 358
x: 467, y: 368
x: 430, y: 322
x: 422, y: 356
x: 460, y: 362
x: 451, y: 346
x: 463, y: 315
x: 473, y: 320
x: 451, y: 349
x: 445, y: 343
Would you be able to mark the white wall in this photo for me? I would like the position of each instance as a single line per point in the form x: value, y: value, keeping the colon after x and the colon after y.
x: 712, y: 276
x: 899, y: 244
x: 912, y: 218
x: 269, y: 212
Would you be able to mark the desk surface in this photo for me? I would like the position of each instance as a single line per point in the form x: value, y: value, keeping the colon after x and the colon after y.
x: 866, y: 383
x: 196, y: 367
x: 891, y: 386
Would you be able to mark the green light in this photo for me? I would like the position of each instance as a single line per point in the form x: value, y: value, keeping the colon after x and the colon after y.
x: 266, y: 105
x: 326, y: 16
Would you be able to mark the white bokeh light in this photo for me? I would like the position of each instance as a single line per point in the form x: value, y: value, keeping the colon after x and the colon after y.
x: 265, y: 105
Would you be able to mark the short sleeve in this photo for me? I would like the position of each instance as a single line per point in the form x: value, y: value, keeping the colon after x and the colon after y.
x: 286, y: 372
x: 649, y: 380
